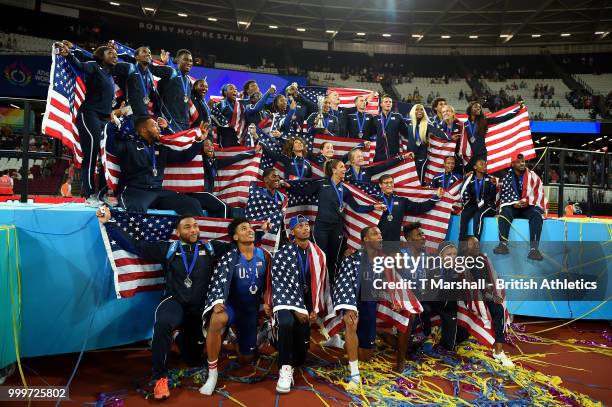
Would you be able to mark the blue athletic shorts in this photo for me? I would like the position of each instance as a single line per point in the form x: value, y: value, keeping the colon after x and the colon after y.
x: 245, y: 321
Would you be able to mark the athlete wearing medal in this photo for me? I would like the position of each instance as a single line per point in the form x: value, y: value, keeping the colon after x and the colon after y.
x: 447, y: 178
x: 143, y: 160
x: 390, y: 126
x: 175, y: 91
x: 300, y: 294
x: 188, y: 266
x: 333, y: 197
x: 478, y: 193
x: 240, y: 282
x: 358, y: 171
x: 198, y: 94
x: 359, y: 124
x: 390, y: 223
x: 140, y: 88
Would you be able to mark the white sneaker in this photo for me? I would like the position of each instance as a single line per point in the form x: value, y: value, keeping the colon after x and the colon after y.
x: 208, y: 388
x: 503, y: 359
x: 354, y: 383
x: 285, y: 379
x: 93, y: 202
x: 334, y: 342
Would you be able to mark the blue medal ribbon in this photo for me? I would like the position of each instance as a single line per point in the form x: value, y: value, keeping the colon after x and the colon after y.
x: 384, y: 124
x: 249, y: 268
x: 444, y: 181
x: 358, y: 177
x: 339, y: 193
x: 304, y: 266
x: 472, y: 126
x: 389, y: 203
x: 478, y: 186
x: 360, y: 124
x: 186, y: 85
x: 299, y: 169
x: 189, y: 269
x: 144, y: 82
x: 274, y: 197
x: 518, y: 184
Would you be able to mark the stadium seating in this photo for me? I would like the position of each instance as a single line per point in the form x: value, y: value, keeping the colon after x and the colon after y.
x: 351, y: 82
x: 599, y: 83
x: 533, y: 104
x: 24, y: 44
x: 449, y: 91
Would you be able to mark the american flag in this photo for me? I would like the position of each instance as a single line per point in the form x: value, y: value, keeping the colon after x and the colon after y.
x: 133, y: 274
x: 353, y: 222
x: 502, y: 140
x: 464, y: 193
x: 533, y: 190
x: 236, y: 121
x: 474, y: 315
x: 437, y: 150
x: 232, y: 182
x: 342, y: 145
x: 404, y: 173
x: 435, y: 222
x: 64, y: 97
x: 347, y: 96
x: 179, y: 177
x: 390, y: 309
x: 287, y: 290
x: 262, y: 207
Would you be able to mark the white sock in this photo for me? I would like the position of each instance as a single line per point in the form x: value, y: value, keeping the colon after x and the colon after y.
x: 354, y: 366
x: 208, y: 388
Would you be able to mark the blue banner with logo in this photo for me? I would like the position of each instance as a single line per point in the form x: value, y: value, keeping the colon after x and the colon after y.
x: 28, y: 77
x: 24, y: 76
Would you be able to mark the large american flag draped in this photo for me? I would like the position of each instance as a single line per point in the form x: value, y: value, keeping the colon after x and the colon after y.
x: 179, y: 177
x: 261, y: 207
x: 353, y: 222
x: 533, y: 190
x: 64, y: 97
x: 394, y: 308
x: 502, y: 140
x: 347, y: 96
x: 287, y: 290
x: 434, y: 222
x: 232, y: 182
x: 437, y: 150
x: 133, y: 274
x: 474, y: 315
x: 403, y: 173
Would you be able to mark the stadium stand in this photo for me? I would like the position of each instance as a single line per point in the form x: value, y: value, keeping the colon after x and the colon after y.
x: 428, y: 90
x: 537, y: 105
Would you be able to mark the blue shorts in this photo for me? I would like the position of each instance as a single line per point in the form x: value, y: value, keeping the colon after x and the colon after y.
x: 245, y: 321
x: 366, y: 327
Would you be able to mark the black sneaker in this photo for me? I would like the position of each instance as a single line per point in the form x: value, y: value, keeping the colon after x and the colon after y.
x: 534, y: 254
x: 501, y: 249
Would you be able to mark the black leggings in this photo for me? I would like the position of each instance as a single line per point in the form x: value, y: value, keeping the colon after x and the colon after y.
x: 140, y: 200
x: 90, y: 125
x: 293, y: 339
x: 214, y: 207
x: 170, y: 315
x: 329, y: 237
